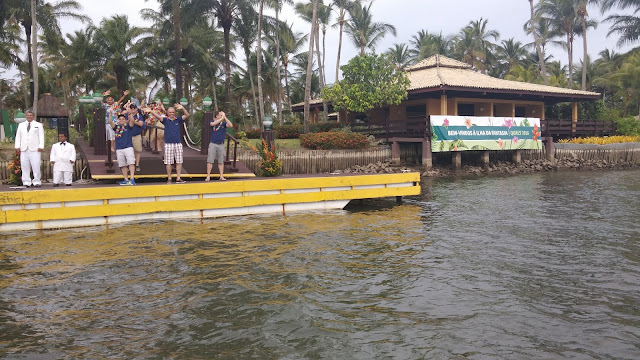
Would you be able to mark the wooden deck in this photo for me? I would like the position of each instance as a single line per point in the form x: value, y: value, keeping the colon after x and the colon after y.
x: 152, y: 165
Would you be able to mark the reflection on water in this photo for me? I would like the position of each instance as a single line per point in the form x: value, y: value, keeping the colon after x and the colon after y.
x: 534, y: 266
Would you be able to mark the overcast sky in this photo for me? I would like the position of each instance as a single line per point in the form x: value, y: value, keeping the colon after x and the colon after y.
x: 408, y: 16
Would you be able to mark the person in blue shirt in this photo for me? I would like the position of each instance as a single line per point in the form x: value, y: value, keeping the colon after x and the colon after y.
x: 136, y: 133
x: 172, y: 143
x: 124, y: 146
x: 217, y: 136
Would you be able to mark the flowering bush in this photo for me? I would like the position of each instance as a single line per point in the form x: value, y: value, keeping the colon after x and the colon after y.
x: 253, y: 133
x: 289, y: 131
x: 334, y: 140
x: 15, y: 171
x: 270, y: 165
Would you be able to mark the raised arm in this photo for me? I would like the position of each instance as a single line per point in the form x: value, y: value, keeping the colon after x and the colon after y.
x: 126, y: 92
x: 185, y: 113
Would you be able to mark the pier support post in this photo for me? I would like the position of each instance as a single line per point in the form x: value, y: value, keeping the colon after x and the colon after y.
x: 485, y: 159
x: 549, y: 149
x: 456, y: 159
x: 427, y: 156
x: 517, y: 157
x: 395, y: 153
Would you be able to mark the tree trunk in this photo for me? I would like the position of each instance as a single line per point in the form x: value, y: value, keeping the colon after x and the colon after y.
x: 227, y: 67
x: 259, y: 66
x: 215, y: 93
x: 307, y: 88
x: 34, y: 43
x: 536, y: 38
x: 286, y: 86
x: 570, y: 54
x: 279, y: 95
x: 339, y: 48
x: 27, y: 33
x: 319, y: 56
x: 177, y: 47
x: 325, y: 107
x: 585, y: 59
x: 253, y: 89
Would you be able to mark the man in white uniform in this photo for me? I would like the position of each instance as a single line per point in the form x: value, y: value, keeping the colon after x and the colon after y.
x: 29, y: 144
x: 63, y: 155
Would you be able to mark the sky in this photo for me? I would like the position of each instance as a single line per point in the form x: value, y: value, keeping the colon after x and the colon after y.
x: 408, y: 16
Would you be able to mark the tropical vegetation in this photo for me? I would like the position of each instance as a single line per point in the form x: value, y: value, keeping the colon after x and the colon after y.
x: 254, y: 65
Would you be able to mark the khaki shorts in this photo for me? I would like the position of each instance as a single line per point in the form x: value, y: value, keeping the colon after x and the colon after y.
x: 137, y: 143
x: 216, y: 153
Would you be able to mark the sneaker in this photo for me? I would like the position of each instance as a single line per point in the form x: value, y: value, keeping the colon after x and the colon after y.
x: 137, y: 168
x: 180, y: 181
x: 56, y: 185
x: 38, y: 185
x: 132, y: 182
x: 125, y: 182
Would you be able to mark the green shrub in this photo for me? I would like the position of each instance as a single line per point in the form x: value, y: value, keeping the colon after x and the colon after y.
x: 288, y: 131
x: 628, y: 126
x: 334, y: 140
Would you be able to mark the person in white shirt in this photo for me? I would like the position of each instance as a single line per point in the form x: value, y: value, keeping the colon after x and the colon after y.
x: 29, y: 145
x: 63, y: 155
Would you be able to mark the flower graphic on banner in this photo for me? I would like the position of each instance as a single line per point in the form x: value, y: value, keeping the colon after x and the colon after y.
x: 500, y: 143
x: 536, y: 132
x: 446, y: 123
x: 468, y: 123
x: 515, y: 139
x: 508, y: 123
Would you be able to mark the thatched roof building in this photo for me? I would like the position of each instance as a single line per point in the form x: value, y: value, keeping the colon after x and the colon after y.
x: 49, y: 107
x: 441, y: 74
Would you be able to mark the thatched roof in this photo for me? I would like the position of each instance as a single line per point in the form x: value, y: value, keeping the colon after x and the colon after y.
x: 49, y: 107
x: 438, y: 73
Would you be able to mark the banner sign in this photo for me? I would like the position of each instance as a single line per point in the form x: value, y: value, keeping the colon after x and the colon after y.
x: 461, y: 133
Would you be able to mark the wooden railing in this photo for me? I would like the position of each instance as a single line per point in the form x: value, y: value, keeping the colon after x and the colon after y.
x: 563, y: 129
x: 417, y: 127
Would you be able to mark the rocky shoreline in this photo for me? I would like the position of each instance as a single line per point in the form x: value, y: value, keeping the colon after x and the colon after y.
x: 509, y: 168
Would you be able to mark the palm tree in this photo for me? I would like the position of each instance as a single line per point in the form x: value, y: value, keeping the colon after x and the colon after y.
x: 511, y: 53
x: 628, y: 26
x: 341, y: 7
x: 259, y: 66
x: 278, y: 4
x: 562, y: 18
x: 290, y: 45
x: 426, y: 45
x: 401, y: 55
x: 478, y: 38
x: 364, y: 32
x: 117, y: 47
x: 581, y: 10
x: 536, y: 39
x: 244, y: 27
x: 48, y: 16
x: 226, y: 11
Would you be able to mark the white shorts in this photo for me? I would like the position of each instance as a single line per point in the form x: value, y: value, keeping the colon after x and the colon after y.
x: 111, y: 134
x: 125, y: 157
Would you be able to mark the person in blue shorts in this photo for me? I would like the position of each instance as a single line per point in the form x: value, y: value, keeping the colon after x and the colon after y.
x: 217, y: 135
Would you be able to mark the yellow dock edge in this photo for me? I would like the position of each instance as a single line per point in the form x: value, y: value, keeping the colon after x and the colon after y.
x: 61, y: 208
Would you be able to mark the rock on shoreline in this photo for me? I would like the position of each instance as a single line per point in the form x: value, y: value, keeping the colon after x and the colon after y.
x: 526, y: 166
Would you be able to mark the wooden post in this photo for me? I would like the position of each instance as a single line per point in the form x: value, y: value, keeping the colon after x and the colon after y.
x: 517, y: 157
x: 99, y: 133
x: 206, y: 129
x: 456, y: 158
x: 485, y: 159
x: 443, y: 104
x: 427, y: 155
x: 549, y: 148
x: 395, y: 153
x: 574, y: 118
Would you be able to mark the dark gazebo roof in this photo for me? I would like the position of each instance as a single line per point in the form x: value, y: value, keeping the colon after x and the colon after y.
x: 49, y: 107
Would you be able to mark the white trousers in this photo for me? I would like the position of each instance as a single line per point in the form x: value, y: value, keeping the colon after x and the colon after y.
x: 60, y: 176
x: 30, y: 161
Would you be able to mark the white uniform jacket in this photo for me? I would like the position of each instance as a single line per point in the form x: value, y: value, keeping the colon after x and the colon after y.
x: 31, y: 140
x: 62, y: 154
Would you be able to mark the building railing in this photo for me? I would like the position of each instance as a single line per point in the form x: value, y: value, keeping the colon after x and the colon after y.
x: 418, y: 127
